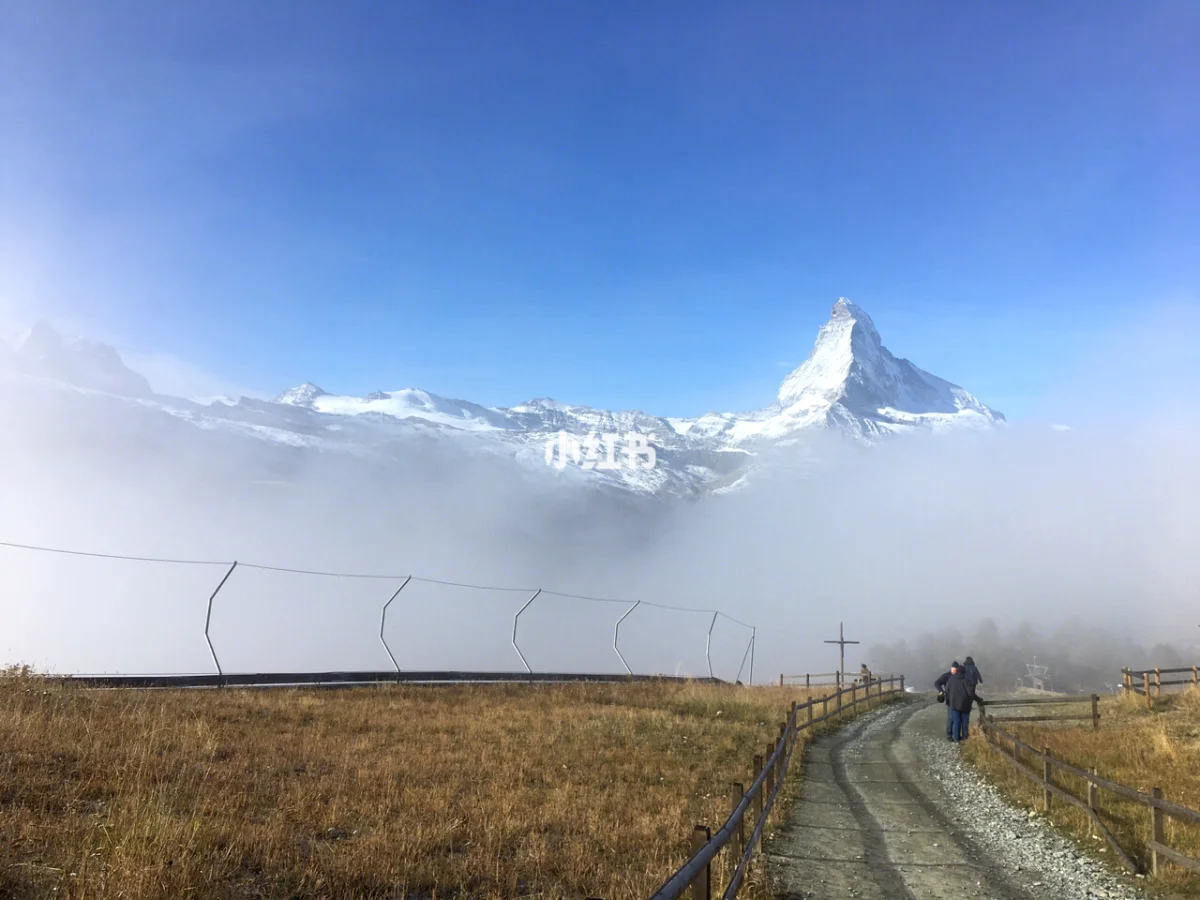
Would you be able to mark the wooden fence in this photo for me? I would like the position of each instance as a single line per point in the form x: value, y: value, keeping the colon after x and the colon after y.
x: 1044, y: 776
x: 767, y: 773
x: 1144, y: 681
x: 818, y: 679
x: 1035, y: 702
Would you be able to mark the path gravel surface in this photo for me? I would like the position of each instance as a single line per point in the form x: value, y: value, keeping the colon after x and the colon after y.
x: 889, y: 810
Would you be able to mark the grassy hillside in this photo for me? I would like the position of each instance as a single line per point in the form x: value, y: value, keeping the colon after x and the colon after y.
x: 488, y: 791
x: 1135, y: 746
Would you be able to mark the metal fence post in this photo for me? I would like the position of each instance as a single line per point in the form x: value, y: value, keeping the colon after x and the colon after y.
x: 753, y: 641
x: 383, y: 621
x: 617, y: 634
x: 208, y: 619
x: 708, y: 644
x: 514, y: 634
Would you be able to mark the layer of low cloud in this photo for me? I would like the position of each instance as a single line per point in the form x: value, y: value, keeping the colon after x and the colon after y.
x: 175, y: 377
x: 1098, y: 524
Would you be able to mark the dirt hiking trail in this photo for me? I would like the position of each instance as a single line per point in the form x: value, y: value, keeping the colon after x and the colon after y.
x: 887, y: 811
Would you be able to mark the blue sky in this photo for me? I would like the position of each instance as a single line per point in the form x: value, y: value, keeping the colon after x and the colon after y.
x: 627, y: 205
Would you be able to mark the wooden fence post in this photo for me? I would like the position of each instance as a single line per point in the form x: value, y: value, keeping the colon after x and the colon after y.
x: 807, y: 681
x: 769, y: 784
x: 810, y: 714
x: 701, y: 836
x: 839, y: 698
x: 1156, y: 830
x: 1093, y: 800
x: 781, y: 679
x: 1046, y: 778
x: 1095, y: 712
x: 738, y: 841
x: 756, y: 770
x: 1157, y: 682
x: 1196, y: 676
x: 1146, y: 687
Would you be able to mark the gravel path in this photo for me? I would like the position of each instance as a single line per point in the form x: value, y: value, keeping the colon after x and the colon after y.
x: 889, y: 810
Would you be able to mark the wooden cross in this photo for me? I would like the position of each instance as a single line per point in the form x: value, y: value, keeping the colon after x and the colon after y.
x: 841, y: 642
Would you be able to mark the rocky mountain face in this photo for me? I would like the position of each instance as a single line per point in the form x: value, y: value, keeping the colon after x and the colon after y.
x: 44, y: 353
x: 850, y: 385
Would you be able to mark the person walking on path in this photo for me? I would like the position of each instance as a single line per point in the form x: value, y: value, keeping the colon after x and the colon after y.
x: 971, y: 673
x: 940, y: 685
x: 959, y: 698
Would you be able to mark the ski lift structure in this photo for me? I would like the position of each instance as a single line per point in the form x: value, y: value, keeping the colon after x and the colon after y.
x: 1036, y: 677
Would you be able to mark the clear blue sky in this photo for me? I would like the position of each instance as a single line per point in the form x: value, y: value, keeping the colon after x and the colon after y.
x: 631, y: 205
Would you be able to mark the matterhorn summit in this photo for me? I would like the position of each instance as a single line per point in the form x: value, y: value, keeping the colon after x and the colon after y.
x: 850, y: 379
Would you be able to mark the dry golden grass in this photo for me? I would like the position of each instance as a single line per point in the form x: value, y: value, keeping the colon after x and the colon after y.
x: 1136, y: 747
x: 583, y: 790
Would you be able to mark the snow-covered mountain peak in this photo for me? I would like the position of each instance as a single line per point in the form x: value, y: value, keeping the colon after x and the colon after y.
x: 847, y: 340
x: 304, y: 395
x: 88, y: 364
x: 850, y: 374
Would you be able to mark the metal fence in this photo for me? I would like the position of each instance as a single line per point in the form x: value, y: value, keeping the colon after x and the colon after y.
x: 403, y: 581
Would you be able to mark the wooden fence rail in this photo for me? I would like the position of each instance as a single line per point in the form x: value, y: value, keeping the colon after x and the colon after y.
x: 1152, y: 680
x: 1093, y: 716
x: 826, y: 678
x: 769, y: 772
x: 1043, y: 776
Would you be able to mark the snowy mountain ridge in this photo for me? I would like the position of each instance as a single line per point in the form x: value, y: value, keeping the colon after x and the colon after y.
x: 850, y: 384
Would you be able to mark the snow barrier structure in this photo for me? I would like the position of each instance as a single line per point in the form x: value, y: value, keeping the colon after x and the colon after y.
x: 222, y: 677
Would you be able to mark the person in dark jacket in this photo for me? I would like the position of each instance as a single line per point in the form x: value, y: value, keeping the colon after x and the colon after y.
x: 940, y: 684
x: 971, y: 673
x: 960, y: 696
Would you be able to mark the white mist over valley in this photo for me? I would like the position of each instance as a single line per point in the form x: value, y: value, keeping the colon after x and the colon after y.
x: 867, y: 491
